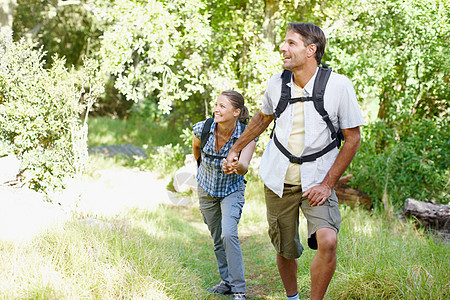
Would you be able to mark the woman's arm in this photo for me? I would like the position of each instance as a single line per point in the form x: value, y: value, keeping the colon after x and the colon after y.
x: 244, y: 159
x: 240, y: 166
x: 196, y: 143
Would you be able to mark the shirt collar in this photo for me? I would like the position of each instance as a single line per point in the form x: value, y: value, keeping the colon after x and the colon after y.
x: 236, y: 133
x: 309, y: 86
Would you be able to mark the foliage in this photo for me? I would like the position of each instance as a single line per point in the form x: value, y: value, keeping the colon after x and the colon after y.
x: 202, y: 49
x: 180, y: 54
x: 409, y: 162
x: 112, y: 103
x: 166, y: 149
x: 136, y: 131
x: 62, y: 28
x: 40, y: 112
x: 154, y: 48
x: 5, y: 148
x: 164, y: 160
x: 177, y: 56
x: 395, y: 52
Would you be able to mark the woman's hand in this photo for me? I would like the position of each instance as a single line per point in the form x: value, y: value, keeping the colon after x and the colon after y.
x: 235, y: 166
x: 230, y: 167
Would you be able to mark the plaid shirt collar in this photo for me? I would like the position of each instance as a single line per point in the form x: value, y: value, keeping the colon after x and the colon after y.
x: 236, y: 133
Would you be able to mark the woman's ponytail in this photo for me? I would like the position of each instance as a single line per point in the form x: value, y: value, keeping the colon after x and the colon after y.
x: 237, y: 100
x: 244, y: 116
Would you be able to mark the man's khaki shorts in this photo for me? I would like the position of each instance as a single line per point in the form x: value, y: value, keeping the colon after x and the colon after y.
x: 283, y: 219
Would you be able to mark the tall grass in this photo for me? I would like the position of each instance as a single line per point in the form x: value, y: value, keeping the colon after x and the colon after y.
x: 167, y: 254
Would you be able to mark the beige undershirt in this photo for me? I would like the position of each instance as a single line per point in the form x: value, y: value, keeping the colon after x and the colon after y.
x: 296, y: 142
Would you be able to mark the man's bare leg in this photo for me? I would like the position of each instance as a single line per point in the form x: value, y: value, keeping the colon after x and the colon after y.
x: 288, y: 273
x: 323, y: 263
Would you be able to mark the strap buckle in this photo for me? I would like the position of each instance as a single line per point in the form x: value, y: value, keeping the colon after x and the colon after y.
x: 296, y: 159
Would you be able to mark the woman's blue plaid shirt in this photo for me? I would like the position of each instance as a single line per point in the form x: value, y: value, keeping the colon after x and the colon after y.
x: 210, y: 175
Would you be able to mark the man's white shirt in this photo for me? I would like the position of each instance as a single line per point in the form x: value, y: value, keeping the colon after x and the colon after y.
x: 342, y: 107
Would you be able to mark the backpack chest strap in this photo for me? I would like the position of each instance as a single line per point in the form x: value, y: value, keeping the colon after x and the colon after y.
x: 317, y: 98
x: 300, y: 99
x: 304, y: 158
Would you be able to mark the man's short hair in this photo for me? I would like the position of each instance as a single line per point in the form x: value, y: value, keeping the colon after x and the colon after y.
x: 311, y: 34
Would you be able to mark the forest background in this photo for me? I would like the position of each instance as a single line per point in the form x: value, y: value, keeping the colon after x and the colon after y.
x: 165, y: 62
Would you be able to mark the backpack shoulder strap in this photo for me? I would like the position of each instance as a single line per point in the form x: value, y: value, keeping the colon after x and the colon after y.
x: 285, y: 93
x: 319, y: 88
x: 244, y: 125
x: 204, y: 140
x: 320, y: 84
x: 205, y: 132
x: 207, y: 128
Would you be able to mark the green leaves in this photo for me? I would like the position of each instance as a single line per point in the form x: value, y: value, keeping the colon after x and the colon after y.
x: 401, y: 43
x: 154, y: 48
x: 177, y: 56
x: 40, y: 113
x: 411, y: 162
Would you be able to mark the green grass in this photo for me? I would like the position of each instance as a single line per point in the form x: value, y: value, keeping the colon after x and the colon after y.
x: 161, y: 143
x: 136, y: 131
x: 167, y: 253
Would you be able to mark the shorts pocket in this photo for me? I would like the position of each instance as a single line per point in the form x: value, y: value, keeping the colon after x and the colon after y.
x: 335, y: 214
x: 274, y: 234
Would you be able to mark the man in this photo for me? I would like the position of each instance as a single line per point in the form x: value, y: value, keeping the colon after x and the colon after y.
x: 306, y: 185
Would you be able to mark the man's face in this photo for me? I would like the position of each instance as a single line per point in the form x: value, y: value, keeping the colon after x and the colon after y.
x: 294, y: 51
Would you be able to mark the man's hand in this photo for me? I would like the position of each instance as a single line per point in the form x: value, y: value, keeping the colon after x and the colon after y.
x: 257, y: 125
x: 230, y: 164
x: 317, y: 195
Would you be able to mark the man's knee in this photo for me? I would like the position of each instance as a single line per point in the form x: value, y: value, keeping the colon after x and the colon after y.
x: 327, y: 240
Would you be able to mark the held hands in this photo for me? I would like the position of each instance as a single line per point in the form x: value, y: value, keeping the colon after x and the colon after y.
x: 232, y: 165
x: 317, y: 195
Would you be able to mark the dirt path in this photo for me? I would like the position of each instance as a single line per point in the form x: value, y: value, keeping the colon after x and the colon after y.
x: 25, y: 213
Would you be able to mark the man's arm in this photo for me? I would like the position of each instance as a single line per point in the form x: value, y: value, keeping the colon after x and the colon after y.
x: 257, y: 125
x: 317, y: 195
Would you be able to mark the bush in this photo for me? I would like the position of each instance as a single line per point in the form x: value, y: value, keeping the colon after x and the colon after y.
x: 40, y: 113
x: 412, y: 161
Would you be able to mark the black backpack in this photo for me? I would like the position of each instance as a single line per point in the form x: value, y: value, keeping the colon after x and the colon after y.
x: 204, y: 138
x: 318, y: 92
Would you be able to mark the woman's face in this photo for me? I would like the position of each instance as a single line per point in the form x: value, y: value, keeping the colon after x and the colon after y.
x: 224, y: 111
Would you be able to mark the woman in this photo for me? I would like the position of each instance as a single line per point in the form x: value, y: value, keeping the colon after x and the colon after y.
x: 221, y: 196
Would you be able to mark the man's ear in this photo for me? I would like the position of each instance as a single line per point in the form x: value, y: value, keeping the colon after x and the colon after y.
x: 311, y: 51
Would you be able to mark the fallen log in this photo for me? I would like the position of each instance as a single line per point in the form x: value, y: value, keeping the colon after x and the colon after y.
x: 429, y: 215
x: 349, y: 196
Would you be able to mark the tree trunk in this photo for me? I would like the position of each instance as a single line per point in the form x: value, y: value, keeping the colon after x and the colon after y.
x: 6, y: 14
x: 430, y: 215
x: 349, y: 196
x: 271, y: 7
